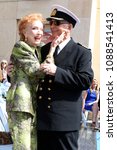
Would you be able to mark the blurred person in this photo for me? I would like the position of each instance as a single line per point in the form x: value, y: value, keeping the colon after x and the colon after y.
x: 0, y: 75
x: 90, y: 101
x: 3, y: 65
x: 5, y: 81
x: 99, y: 100
x: 4, y: 86
x: 59, y: 102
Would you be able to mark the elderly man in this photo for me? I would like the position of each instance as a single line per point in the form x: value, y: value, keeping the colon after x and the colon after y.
x: 59, y: 93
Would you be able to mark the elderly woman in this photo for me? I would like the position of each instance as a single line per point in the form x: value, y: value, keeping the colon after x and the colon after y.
x: 21, y: 98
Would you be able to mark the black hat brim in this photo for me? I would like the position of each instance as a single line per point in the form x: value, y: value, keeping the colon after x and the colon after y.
x: 55, y: 18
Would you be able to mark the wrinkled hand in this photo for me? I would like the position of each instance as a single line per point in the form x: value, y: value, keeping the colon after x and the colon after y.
x: 9, y: 68
x: 55, y: 42
x: 48, y: 68
x: 58, y: 39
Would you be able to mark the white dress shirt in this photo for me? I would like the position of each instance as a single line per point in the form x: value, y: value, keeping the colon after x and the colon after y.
x: 62, y: 45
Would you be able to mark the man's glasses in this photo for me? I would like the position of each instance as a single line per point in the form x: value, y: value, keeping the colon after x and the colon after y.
x: 58, y: 22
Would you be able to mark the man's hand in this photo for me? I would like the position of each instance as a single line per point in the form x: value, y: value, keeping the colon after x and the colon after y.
x: 48, y: 68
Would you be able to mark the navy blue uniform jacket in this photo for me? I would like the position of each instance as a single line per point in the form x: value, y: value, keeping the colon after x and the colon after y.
x: 59, y: 97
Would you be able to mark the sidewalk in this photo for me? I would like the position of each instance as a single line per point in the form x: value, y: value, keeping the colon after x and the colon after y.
x: 89, y: 139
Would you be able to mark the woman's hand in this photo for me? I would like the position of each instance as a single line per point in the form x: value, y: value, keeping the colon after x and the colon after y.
x: 10, y: 68
x: 58, y: 39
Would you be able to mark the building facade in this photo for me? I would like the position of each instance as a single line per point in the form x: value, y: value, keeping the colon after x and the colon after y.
x: 87, y: 32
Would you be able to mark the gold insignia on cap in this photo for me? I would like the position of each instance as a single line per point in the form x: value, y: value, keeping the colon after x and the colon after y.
x: 54, y: 12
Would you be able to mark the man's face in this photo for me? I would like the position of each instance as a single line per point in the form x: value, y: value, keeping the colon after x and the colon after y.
x: 58, y: 27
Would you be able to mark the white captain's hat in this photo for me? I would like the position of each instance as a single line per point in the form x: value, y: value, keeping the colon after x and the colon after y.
x: 62, y: 13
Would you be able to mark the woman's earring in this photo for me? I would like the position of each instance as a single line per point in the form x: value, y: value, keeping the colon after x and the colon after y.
x: 26, y: 39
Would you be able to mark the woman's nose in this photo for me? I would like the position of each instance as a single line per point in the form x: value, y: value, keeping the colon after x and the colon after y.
x: 40, y: 32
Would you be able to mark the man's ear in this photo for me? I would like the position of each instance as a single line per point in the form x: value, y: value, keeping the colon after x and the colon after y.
x: 70, y: 26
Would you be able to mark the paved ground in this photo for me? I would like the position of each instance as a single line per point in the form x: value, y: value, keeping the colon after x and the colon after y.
x: 87, y: 139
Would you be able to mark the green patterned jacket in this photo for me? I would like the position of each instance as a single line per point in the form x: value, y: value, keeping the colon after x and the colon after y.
x: 21, y: 95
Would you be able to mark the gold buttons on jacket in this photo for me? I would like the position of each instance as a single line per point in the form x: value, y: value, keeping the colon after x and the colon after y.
x: 48, y: 106
x: 50, y: 81
x: 40, y: 88
x: 40, y: 97
x: 49, y: 98
x: 42, y: 80
x: 49, y: 89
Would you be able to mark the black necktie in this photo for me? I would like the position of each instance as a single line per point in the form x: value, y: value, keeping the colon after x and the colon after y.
x: 56, y: 51
x: 36, y: 53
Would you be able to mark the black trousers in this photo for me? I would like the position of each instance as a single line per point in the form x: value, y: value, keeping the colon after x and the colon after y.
x: 55, y: 140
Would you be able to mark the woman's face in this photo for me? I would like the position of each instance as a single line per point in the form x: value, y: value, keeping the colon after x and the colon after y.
x: 33, y: 33
x: 3, y: 65
x: 94, y: 84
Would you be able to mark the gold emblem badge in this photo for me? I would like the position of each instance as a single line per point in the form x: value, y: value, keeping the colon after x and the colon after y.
x: 54, y: 12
